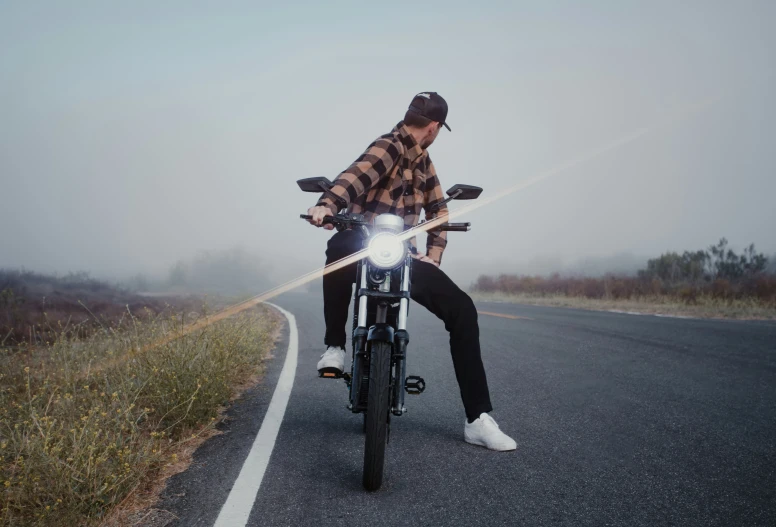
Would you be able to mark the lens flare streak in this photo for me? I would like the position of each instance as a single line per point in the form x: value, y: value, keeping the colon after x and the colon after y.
x: 432, y: 224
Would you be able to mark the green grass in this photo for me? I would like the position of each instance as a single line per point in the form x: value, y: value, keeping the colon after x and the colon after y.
x: 87, y: 421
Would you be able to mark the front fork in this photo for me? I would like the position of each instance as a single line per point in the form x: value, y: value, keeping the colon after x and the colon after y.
x: 360, y: 365
x: 401, y: 338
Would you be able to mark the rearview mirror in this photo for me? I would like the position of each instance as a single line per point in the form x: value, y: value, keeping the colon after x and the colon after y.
x: 464, y: 192
x: 314, y: 184
x: 458, y: 192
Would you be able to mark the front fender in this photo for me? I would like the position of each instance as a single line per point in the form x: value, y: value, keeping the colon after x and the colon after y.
x: 381, y: 332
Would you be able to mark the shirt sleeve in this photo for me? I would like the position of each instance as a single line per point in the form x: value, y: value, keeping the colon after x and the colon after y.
x: 436, y: 241
x: 376, y: 162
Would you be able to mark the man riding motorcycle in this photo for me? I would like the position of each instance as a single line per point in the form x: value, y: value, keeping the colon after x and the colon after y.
x: 395, y: 175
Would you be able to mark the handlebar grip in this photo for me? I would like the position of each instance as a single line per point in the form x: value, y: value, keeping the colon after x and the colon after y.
x: 326, y: 219
x: 456, y: 227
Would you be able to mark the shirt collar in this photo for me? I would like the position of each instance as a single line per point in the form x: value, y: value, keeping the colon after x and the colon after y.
x: 412, y: 148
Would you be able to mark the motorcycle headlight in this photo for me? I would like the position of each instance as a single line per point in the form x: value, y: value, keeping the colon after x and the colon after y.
x: 386, y: 251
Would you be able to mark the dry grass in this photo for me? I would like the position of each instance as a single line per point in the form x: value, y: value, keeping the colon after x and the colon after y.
x: 79, y: 440
x: 759, y: 288
x: 35, y: 307
x: 749, y: 297
x: 704, y: 306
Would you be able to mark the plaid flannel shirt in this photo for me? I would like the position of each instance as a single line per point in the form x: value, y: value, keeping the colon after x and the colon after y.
x: 394, y: 176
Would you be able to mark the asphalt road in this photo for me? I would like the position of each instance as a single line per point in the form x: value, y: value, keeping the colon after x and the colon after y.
x: 619, y: 420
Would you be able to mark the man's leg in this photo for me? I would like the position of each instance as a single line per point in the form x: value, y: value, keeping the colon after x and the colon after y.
x: 435, y: 291
x: 337, y: 286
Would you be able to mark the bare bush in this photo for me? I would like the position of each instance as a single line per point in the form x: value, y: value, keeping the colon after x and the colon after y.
x: 719, y: 274
x: 34, y: 307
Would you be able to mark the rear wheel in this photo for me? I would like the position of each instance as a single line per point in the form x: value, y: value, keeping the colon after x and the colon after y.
x: 376, y: 422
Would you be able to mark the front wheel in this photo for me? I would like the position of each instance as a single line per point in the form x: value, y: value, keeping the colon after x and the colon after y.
x: 377, y: 415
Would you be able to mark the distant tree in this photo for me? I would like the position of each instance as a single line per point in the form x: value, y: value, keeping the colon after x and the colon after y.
x: 485, y: 283
x: 752, y: 261
x: 178, y: 274
x: 231, y: 271
x: 138, y: 282
x: 728, y: 265
x: 666, y: 267
x: 719, y: 262
x: 695, y: 264
x: 719, y: 266
x: 673, y: 267
x: 770, y: 266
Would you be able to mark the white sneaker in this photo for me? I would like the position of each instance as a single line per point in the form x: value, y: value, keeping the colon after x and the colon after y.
x: 332, y: 359
x: 485, y: 432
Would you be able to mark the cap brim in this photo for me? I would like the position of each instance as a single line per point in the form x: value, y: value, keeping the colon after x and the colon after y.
x: 446, y: 126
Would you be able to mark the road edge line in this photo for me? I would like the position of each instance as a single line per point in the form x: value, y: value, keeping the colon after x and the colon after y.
x: 239, y: 503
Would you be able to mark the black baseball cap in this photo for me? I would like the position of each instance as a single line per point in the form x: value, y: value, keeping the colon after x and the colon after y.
x: 430, y: 105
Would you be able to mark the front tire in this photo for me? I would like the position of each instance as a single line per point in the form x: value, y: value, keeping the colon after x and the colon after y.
x: 376, y: 422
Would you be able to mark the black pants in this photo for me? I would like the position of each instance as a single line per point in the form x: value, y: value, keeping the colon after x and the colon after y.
x: 432, y: 289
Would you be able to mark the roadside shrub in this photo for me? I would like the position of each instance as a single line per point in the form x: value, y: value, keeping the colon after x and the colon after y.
x: 35, y: 307
x: 719, y: 274
x: 761, y: 288
x: 84, y: 421
x: 721, y: 289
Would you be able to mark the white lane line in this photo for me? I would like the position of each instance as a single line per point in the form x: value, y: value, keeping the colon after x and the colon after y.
x: 238, y: 505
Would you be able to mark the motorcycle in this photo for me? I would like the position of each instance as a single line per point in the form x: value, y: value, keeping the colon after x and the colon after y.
x: 377, y: 381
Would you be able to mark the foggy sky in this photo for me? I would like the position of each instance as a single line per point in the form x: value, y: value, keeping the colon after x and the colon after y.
x: 133, y: 135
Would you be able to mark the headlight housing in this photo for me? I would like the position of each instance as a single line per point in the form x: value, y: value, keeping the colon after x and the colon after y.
x: 386, y: 250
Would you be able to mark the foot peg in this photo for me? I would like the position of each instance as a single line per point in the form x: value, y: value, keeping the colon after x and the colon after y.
x: 414, y: 385
x: 330, y: 373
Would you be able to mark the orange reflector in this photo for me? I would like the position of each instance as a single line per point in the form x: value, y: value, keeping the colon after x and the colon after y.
x: 329, y: 375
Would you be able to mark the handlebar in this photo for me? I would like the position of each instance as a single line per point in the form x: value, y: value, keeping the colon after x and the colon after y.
x: 340, y: 220
x: 356, y: 220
